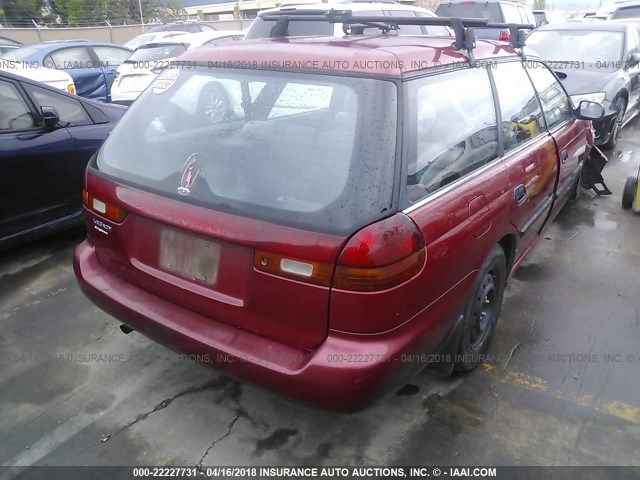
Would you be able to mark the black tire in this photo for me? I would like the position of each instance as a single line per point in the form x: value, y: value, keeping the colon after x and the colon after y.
x: 621, y: 108
x: 629, y: 192
x: 213, y: 104
x: 482, y: 311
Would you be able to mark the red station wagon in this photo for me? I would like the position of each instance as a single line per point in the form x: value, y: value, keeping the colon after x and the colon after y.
x: 314, y: 215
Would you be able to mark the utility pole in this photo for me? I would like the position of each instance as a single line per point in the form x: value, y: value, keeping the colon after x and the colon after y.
x: 141, y: 17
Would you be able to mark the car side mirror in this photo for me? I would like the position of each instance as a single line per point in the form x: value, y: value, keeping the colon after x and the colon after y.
x: 590, y: 110
x: 50, y: 118
x: 634, y: 59
x: 543, y: 23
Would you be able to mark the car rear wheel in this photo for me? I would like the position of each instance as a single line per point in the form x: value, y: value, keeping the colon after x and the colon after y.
x: 621, y: 108
x: 214, y: 104
x: 482, y: 311
x: 629, y: 192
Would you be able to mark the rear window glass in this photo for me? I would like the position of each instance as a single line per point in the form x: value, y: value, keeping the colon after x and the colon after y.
x: 490, y: 11
x: 156, y: 52
x: 311, y: 151
x: 627, y: 12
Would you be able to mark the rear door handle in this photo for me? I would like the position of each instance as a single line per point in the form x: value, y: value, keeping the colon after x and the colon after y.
x: 520, y: 194
x: 564, y: 155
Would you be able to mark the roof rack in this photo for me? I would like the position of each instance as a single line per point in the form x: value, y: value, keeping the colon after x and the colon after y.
x: 465, y: 38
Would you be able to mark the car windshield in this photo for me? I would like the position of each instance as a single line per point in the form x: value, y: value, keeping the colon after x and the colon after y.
x: 22, y: 53
x: 626, y: 12
x: 156, y: 52
x: 588, y: 46
x: 310, y: 151
x: 490, y: 11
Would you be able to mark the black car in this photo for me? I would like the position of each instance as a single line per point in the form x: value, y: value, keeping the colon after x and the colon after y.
x: 46, y: 139
x: 596, y: 61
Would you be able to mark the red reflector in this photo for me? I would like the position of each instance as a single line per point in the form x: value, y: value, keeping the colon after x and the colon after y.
x: 504, y: 36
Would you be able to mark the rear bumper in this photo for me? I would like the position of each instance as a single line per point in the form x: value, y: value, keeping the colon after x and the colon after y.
x: 344, y: 373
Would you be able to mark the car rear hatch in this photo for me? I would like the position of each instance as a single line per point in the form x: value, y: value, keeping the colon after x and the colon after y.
x: 239, y: 220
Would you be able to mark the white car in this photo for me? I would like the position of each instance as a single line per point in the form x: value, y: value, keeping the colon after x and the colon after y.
x: 147, y: 37
x: 261, y: 28
x: 149, y: 59
x: 50, y: 76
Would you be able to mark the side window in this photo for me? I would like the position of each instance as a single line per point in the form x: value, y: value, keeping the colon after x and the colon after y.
x: 436, y: 30
x: 15, y: 114
x: 523, y: 15
x: 69, y: 58
x: 297, y: 98
x: 521, y: 115
x: 632, y: 45
x: 367, y: 13
x: 70, y: 110
x: 405, y: 29
x: 453, y: 129
x: 109, y: 56
x: 510, y: 13
x: 555, y: 103
x: 192, y: 28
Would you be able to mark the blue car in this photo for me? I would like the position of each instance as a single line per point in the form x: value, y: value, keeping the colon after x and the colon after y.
x: 47, y: 137
x: 90, y: 64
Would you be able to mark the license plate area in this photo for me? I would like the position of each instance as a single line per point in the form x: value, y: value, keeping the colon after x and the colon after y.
x: 189, y: 256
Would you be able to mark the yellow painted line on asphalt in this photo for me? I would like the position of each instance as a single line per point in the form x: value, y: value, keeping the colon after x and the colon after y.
x: 518, y: 378
x: 621, y: 410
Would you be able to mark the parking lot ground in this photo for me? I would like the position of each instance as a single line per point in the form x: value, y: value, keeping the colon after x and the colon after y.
x: 560, y: 386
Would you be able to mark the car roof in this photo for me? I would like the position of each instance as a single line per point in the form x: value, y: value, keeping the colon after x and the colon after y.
x: 605, y: 25
x: 389, y: 55
x: 353, y: 6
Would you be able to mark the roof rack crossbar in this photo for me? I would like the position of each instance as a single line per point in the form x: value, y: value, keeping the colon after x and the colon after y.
x: 465, y: 38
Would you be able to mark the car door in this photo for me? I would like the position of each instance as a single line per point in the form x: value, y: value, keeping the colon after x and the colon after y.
x: 455, y: 180
x: 109, y: 58
x: 633, y: 46
x: 84, y: 139
x: 33, y: 163
x: 569, y: 133
x: 81, y: 65
x: 530, y: 154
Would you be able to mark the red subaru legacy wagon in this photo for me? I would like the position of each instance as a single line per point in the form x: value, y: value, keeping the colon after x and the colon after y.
x: 316, y: 215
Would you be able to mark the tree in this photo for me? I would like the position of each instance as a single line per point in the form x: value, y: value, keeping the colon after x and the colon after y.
x: 19, y: 13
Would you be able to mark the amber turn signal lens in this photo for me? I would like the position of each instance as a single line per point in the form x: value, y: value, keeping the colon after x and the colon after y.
x: 104, y: 209
x: 317, y: 273
x: 378, y: 278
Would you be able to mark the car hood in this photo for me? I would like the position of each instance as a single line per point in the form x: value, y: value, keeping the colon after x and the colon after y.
x: 585, y: 80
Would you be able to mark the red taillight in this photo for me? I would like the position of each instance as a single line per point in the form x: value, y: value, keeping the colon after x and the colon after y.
x: 381, y: 256
x: 104, y: 209
x: 504, y: 36
x: 378, y: 257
